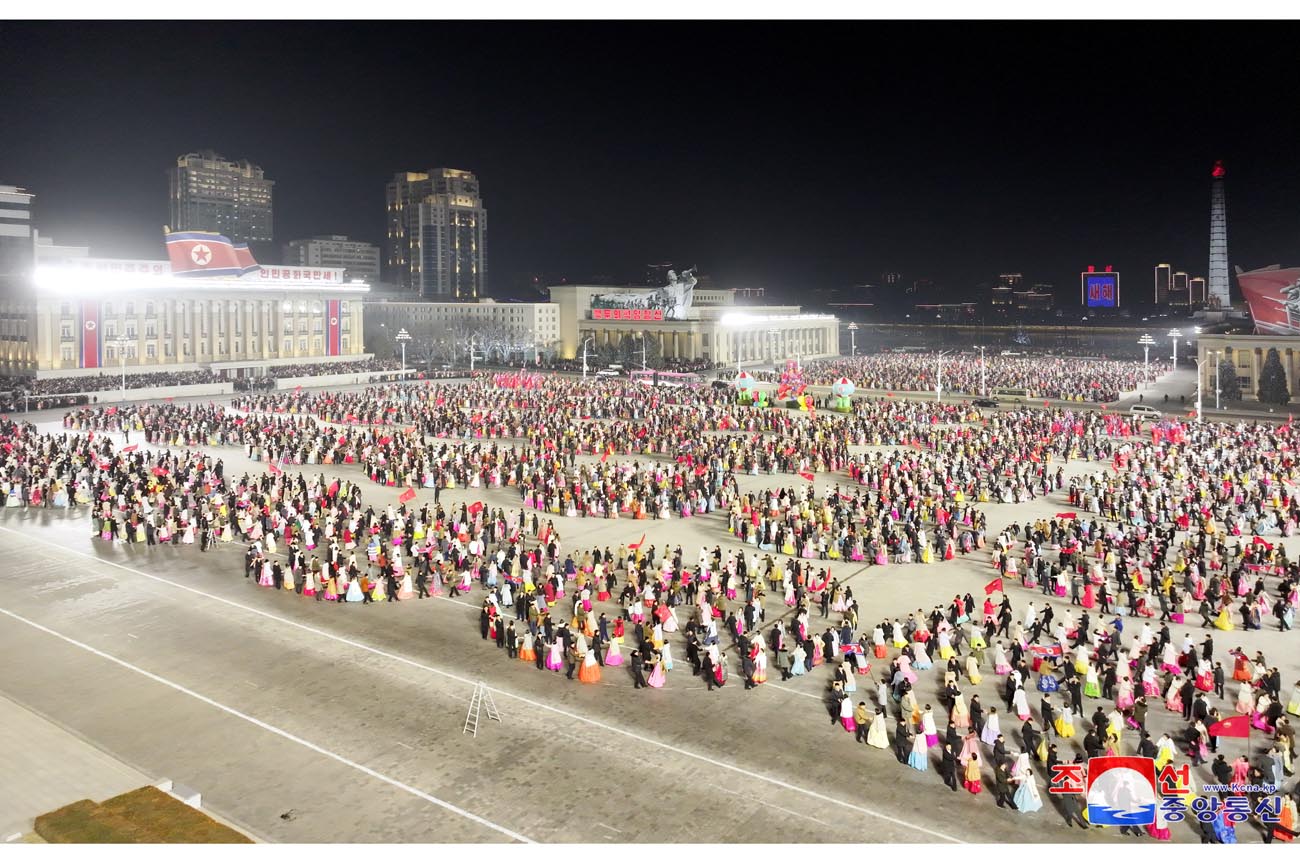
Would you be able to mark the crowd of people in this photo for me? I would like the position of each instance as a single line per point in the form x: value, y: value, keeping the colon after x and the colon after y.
x: 1088, y: 379
x: 1177, y: 526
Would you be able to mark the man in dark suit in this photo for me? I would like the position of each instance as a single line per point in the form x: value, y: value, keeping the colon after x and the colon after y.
x: 1002, y: 784
x: 1200, y: 710
x: 638, y: 675
x: 948, y: 767
x: 1092, y: 744
x: 1188, y: 694
x: 511, y: 635
x: 1218, y: 679
x: 1031, y: 737
x: 902, y: 741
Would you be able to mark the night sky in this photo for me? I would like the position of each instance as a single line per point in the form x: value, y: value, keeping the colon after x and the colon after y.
x: 791, y: 156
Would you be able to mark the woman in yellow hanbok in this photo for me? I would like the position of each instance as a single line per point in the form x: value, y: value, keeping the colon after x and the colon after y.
x: 1223, y: 621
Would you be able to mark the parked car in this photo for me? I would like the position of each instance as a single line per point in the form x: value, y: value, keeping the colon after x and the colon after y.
x: 985, y: 403
x: 1141, y: 411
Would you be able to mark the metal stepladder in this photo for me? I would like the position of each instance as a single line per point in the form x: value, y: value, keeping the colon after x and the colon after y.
x: 480, y: 702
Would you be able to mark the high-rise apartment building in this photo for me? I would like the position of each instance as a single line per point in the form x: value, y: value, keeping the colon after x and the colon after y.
x: 17, y: 235
x: 1196, y: 291
x: 213, y: 194
x: 1164, y: 276
x: 1179, y: 289
x: 358, y: 259
x: 437, y: 234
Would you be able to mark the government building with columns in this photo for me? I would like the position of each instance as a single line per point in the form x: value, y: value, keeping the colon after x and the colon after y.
x: 712, y: 328
x: 1247, y: 355
x: 77, y: 315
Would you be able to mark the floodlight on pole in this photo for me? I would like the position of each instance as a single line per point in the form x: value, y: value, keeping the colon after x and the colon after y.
x: 584, y: 355
x: 1146, y: 342
x: 853, y: 339
x: 403, y: 338
x: 1176, y: 335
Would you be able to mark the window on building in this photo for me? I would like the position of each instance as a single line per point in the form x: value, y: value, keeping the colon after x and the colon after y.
x: 288, y: 346
x: 185, y: 347
x: 110, y: 352
x: 318, y: 326
x: 65, y: 309
x: 150, y: 350
x: 110, y: 331
x: 345, y: 344
x: 130, y: 331
x: 203, y: 347
x: 302, y: 345
x: 108, y: 308
x: 130, y: 308
x: 148, y: 308
x: 151, y: 330
x: 65, y: 330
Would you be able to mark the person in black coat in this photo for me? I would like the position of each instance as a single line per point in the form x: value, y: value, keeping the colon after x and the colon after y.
x: 1188, y: 694
x: 902, y: 741
x: 1221, y: 771
x: 1076, y: 693
x: 1218, y: 679
x: 948, y: 767
x: 1146, y: 748
x: 638, y: 675
x: 1092, y: 744
x: 1048, y: 712
x: 484, y: 621
x: 1002, y: 784
x: 1031, y: 737
x: 976, y: 714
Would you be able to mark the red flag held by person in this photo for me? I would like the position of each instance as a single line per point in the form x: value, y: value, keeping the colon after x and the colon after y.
x: 807, y: 476
x: 1232, y: 726
x: 407, y: 495
x: 169, y: 399
x: 993, y: 586
x: 275, y: 470
x: 637, y: 546
x: 475, y: 507
x: 159, y: 471
x: 297, y: 389
x: 128, y: 449
x: 111, y: 410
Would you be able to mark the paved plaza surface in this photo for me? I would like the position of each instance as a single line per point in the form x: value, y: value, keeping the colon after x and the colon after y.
x: 311, y: 721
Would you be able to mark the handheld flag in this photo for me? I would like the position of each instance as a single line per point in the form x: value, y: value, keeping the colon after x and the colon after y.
x: 128, y: 449
x: 407, y: 495
x: 637, y: 546
x: 275, y: 470
x: 807, y: 476
x: 1233, y: 726
x: 475, y: 507
x: 993, y: 586
x: 111, y: 410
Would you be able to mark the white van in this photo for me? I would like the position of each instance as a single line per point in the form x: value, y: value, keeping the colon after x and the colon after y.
x: 1141, y: 411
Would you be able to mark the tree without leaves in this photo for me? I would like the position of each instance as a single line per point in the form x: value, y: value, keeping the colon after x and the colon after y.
x: 1272, y: 381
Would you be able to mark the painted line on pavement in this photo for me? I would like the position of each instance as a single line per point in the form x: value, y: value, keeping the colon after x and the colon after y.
x: 269, y: 727
x: 520, y: 698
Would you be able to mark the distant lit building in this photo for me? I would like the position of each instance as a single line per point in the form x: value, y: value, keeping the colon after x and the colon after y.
x: 211, y: 193
x: 437, y: 234
x: 1032, y: 300
x: 1179, y: 290
x: 17, y: 236
x: 891, y: 278
x: 749, y: 294
x: 1196, y: 291
x: 358, y: 259
x: 1163, y: 279
x: 1000, y: 296
x: 1014, y: 281
x: 85, y: 316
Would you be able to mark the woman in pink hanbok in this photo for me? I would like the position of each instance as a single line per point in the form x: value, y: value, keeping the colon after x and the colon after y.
x: 657, y: 676
x: 1124, y: 696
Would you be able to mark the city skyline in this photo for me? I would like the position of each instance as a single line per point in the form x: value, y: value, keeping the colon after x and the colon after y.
x: 760, y: 173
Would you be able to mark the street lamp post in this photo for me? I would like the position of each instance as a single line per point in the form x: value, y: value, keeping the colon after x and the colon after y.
x: 1177, y: 335
x: 774, y: 332
x: 644, y: 367
x: 403, y: 338
x: 853, y: 339
x: 1146, y: 343
x: 983, y: 378
x: 121, y: 343
x: 1199, y: 364
x: 584, y: 355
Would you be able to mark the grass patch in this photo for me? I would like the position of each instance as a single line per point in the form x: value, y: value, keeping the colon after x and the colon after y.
x: 145, y: 815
